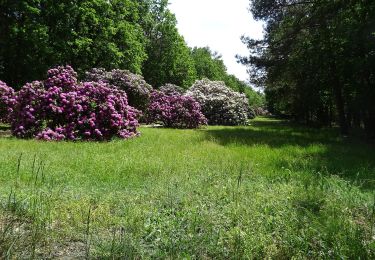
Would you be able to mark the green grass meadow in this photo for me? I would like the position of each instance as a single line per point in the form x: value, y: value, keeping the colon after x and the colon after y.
x: 268, y: 190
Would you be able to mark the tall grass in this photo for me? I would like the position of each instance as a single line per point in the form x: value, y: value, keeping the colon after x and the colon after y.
x: 268, y: 190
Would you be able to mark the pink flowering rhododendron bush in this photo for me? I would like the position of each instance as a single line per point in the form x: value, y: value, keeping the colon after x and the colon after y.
x: 175, y: 110
x: 220, y: 104
x: 61, y: 108
x: 137, y: 89
x: 7, y: 102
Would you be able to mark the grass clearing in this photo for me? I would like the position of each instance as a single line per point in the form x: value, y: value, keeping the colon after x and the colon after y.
x: 268, y: 190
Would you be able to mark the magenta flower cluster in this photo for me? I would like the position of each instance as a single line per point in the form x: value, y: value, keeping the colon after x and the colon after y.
x: 7, y: 102
x: 175, y: 110
x: 61, y: 108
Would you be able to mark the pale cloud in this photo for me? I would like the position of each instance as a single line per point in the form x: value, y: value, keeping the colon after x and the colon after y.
x: 218, y: 24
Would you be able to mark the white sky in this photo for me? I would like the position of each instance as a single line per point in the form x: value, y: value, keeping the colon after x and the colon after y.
x: 218, y: 24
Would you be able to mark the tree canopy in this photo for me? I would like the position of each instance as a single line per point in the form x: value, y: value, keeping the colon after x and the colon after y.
x: 169, y: 60
x: 38, y: 34
x: 136, y: 35
x: 317, y: 60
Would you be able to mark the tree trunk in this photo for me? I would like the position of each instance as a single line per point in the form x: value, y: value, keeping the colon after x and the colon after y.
x: 337, y: 91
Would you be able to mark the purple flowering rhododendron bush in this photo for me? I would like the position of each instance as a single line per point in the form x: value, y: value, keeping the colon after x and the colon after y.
x: 61, y: 108
x: 137, y: 89
x: 220, y: 104
x: 7, y: 102
x: 175, y: 110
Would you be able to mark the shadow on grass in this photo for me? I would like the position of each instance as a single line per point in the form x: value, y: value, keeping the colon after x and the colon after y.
x: 273, y: 133
x: 351, y: 159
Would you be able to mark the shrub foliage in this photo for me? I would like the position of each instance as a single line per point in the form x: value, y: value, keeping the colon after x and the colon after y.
x: 61, y: 108
x: 136, y: 88
x: 220, y: 104
x: 172, y: 89
x: 175, y: 110
x: 7, y: 102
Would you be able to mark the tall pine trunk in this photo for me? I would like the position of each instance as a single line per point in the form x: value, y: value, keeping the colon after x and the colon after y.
x: 344, y: 128
x: 339, y: 99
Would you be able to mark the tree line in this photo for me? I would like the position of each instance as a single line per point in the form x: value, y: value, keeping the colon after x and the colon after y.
x: 317, y: 61
x: 137, y: 35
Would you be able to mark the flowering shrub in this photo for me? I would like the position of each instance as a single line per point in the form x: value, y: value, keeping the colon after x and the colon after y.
x: 135, y: 86
x: 171, y: 89
x: 61, y: 108
x: 28, y: 110
x: 175, y: 111
x: 63, y: 77
x: 259, y: 111
x: 7, y: 102
x: 220, y: 104
x: 251, y: 113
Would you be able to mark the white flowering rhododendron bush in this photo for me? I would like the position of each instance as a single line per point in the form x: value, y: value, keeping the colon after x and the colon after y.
x: 136, y: 88
x: 220, y: 104
x: 62, y: 108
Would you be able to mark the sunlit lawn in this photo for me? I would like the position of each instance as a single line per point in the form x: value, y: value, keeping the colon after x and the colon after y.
x: 267, y: 190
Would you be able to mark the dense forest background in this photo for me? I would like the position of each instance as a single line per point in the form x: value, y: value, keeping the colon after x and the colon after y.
x: 317, y: 61
x: 137, y: 35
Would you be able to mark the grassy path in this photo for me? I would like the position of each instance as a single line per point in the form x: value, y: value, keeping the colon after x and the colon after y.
x: 267, y: 190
